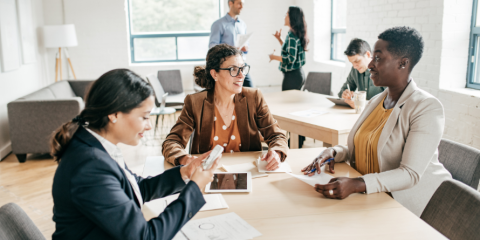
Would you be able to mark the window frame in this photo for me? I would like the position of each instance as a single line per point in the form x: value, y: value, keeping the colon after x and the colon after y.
x: 334, y: 31
x: 176, y: 35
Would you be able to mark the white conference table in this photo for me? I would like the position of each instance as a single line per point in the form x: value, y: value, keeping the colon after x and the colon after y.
x: 283, y: 207
x: 331, y: 128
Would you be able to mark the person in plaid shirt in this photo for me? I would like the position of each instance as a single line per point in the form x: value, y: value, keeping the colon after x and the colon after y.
x: 292, y: 57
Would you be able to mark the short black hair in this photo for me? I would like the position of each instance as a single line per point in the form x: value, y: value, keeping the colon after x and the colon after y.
x: 404, y: 42
x: 357, y: 46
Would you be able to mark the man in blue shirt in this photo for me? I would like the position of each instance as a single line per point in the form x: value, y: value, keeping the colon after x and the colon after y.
x: 226, y: 30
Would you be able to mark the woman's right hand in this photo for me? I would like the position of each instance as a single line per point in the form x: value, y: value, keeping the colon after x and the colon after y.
x: 317, y: 162
x: 203, y: 177
x: 278, y: 35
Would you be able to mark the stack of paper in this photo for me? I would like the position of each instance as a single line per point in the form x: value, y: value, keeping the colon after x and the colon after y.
x: 262, y: 167
x: 226, y: 227
x: 214, y: 201
x: 322, y: 178
x: 245, y: 167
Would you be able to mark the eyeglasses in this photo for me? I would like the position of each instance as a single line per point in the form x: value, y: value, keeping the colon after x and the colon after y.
x: 234, y: 71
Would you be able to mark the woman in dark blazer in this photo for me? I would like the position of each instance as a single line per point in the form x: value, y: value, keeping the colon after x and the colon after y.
x: 95, y: 195
x: 225, y: 103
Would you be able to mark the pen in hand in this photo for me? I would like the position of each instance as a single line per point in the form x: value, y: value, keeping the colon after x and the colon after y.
x: 321, y: 165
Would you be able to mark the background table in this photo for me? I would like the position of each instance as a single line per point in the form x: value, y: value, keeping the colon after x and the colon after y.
x: 283, y: 207
x: 331, y: 128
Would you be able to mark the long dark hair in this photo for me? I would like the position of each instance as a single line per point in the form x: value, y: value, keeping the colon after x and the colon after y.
x: 119, y: 90
x: 298, y: 25
x: 215, y: 57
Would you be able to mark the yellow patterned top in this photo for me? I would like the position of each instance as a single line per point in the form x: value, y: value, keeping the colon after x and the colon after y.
x: 366, y: 140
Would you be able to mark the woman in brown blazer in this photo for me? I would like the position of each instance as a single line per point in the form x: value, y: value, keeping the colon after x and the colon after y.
x: 225, y: 114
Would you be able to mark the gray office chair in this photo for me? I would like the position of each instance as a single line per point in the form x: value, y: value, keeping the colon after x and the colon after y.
x: 318, y: 82
x: 171, y: 81
x: 15, y: 224
x: 454, y: 211
x: 462, y: 161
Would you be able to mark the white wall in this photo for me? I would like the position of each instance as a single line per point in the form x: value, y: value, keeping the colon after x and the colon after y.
x: 103, y: 39
x: 28, y: 78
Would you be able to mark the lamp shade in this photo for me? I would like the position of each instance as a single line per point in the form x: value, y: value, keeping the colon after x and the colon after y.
x: 56, y: 36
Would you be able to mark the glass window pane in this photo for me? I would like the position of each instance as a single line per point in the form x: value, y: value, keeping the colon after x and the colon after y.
x: 173, y: 15
x: 477, y: 24
x: 149, y: 49
x: 192, y: 47
x: 339, y: 14
x: 476, y: 75
x: 339, y: 46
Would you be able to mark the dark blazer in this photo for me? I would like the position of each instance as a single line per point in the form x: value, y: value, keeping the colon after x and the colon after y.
x: 253, y: 118
x: 93, y: 198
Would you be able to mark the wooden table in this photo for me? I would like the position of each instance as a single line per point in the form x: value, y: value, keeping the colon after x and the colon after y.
x: 331, y: 128
x: 283, y: 207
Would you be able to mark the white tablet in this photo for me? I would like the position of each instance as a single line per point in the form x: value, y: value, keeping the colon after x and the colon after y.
x: 230, y: 182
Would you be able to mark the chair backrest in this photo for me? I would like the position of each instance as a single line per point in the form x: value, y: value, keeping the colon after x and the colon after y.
x: 15, y: 224
x: 454, y: 211
x: 171, y: 81
x: 462, y: 161
x: 157, y: 88
x: 319, y: 82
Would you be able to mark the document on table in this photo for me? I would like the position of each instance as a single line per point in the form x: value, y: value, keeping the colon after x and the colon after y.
x: 153, y: 166
x: 225, y: 227
x: 322, y: 178
x: 242, y: 39
x: 309, y: 113
x: 245, y: 167
x: 262, y: 167
x: 214, y: 201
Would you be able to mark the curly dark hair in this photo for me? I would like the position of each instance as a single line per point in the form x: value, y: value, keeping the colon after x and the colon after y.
x: 215, y: 57
x: 404, y: 42
x: 357, y: 46
x: 299, y: 25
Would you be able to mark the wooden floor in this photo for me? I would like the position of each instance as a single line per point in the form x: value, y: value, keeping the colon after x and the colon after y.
x: 29, y: 184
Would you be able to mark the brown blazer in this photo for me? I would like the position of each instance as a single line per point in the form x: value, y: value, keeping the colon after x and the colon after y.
x: 253, y: 118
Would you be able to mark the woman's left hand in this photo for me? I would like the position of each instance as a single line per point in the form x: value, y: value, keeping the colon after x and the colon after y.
x: 273, y: 160
x: 188, y: 170
x: 341, y: 187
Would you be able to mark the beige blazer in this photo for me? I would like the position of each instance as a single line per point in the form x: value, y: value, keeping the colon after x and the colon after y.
x: 407, y: 149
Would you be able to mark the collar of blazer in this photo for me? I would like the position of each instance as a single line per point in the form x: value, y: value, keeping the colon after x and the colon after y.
x: 89, y: 139
x: 389, y: 125
x: 208, y: 112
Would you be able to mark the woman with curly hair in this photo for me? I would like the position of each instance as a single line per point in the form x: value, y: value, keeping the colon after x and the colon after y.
x: 225, y: 114
x: 292, y: 57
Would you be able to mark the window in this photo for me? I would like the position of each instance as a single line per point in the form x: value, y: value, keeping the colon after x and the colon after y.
x: 473, y: 74
x: 170, y: 30
x: 339, y: 29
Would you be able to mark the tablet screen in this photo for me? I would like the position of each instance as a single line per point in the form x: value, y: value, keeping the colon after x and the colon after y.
x: 229, y: 181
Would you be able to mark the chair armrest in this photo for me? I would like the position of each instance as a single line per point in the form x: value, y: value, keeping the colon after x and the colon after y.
x: 32, y: 122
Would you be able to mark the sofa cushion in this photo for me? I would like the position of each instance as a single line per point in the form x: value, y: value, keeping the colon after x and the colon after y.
x: 62, y: 90
x: 42, y: 94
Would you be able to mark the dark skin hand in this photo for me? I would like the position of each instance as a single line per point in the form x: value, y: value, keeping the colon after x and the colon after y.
x: 342, y: 187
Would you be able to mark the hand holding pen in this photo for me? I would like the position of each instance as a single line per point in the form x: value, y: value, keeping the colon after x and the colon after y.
x: 325, y: 157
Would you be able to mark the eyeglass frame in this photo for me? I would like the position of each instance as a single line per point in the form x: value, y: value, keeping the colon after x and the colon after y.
x: 239, y: 68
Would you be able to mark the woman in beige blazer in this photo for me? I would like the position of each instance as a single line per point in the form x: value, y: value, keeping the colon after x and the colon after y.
x: 406, y: 150
x: 225, y: 99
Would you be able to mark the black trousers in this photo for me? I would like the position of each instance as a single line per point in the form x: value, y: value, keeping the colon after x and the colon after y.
x: 248, y: 82
x: 293, y: 80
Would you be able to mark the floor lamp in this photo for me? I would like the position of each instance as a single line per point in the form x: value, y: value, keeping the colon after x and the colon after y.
x: 60, y: 36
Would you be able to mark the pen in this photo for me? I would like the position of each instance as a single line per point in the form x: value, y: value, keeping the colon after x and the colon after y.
x: 348, y: 86
x: 327, y: 161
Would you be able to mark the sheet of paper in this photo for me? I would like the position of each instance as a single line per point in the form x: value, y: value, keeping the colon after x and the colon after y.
x: 245, y: 167
x: 226, y: 226
x: 262, y: 167
x: 180, y: 236
x: 309, y: 113
x: 322, y: 178
x: 242, y: 39
x: 153, y: 166
x: 214, y: 201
